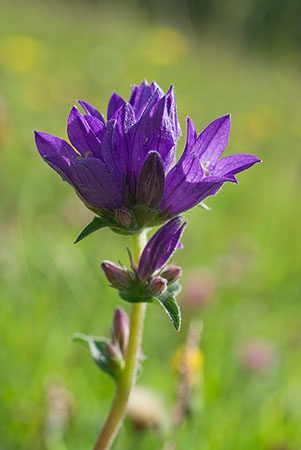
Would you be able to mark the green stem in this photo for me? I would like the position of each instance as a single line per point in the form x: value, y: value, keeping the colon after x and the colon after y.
x: 128, y: 378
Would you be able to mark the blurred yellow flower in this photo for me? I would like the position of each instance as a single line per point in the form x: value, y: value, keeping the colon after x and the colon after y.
x: 165, y: 46
x: 21, y: 53
x: 188, y: 360
x: 262, y: 123
x: 40, y: 90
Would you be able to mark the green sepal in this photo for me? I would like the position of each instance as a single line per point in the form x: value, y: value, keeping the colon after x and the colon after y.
x: 139, y: 294
x: 96, y: 224
x: 97, y: 347
x: 102, y: 222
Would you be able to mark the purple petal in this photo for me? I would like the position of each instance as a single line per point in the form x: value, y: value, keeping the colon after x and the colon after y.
x: 96, y: 125
x: 81, y: 134
x: 57, y: 153
x: 49, y: 145
x: 142, y: 94
x: 115, y: 142
x: 212, y: 141
x: 188, y: 194
x: 114, y: 104
x: 98, y: 186
x: 172, y: 112
x: 190, y: 139
x: 234, y: 164
x: 160, y: 247
x: 183, y: 176
x: 156, y: 130
x: 91, y: 110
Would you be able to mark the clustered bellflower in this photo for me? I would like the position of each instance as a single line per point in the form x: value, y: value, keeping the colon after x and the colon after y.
x: 123, y: 167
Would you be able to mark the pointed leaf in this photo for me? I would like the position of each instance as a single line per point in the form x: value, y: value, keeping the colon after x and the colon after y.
x: 172, y: 309
x: 96, y: 224
x: 97, y: 347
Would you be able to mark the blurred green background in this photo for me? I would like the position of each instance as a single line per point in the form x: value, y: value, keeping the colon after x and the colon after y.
x: 243, y: 256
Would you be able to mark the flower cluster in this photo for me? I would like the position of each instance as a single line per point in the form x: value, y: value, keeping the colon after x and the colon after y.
x: 123, y: 168
x: 152, y: 280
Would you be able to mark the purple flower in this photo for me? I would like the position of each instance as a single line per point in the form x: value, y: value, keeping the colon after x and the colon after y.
x: 121, y: 168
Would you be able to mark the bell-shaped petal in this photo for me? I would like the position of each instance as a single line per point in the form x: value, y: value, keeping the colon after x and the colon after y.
x: 57, y: 153
x: 234, y: 164
x: 114, y: 104
x: 172, y: 112
x: 151, y: 181
x: 91, y: 110
x: 81, y: 134
x: 141, y: 95
x: 212, y: 141
x: 98, y: 186
x: 180, y: 182
x: 115, y: 142
x: 160, y: 247
x: 189, y: 194
x: 190, y: 139
x: 156, y: 130
x: 96, y: 125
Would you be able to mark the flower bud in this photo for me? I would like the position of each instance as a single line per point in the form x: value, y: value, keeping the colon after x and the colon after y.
x: 115, y: 361
x: 151, y: 181
x: 157, y: 286
x: 172, y: 273
x: 118, y: 277
x: 112, y: 351
x: 121, y: 329
x: 124, y: 217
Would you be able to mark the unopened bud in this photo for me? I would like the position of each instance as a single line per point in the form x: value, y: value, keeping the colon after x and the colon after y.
x: 118, y: 277
x: 115, y: 361
x: 112, y: 351
x: 151, y: 181
x: 172, y: 273
x: 121, y: 329
x: 157, y: 286
x: 124, y: 217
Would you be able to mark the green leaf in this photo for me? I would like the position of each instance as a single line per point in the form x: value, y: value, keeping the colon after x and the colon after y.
x: 97, y: 347
x: 172, y: 309
x: 96, y: 224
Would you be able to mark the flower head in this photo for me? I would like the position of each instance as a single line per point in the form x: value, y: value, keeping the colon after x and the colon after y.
x: 151, y: 280
x: 150, y: 272
x: 121, y: 168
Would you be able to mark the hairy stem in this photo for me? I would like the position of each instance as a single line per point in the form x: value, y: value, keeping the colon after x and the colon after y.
x: 128, y: 378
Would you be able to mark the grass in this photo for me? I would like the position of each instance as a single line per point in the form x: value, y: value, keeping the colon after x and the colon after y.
x: 50, y: 55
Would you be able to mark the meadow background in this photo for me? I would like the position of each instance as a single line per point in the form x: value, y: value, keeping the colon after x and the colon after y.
x: 245, y: 252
